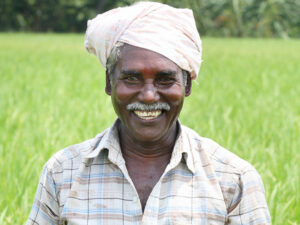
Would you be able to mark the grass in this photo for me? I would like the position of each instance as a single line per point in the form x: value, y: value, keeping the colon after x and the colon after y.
x: 246, y: 99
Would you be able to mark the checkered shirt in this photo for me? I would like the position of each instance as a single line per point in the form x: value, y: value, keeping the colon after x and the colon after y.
x: 88, y: 183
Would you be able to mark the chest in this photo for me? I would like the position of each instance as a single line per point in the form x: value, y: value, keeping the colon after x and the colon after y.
x: 144, y: 178
x: 177, y: 198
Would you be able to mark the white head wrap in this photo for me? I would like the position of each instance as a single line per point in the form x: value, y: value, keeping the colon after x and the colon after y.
x: 168, y: 31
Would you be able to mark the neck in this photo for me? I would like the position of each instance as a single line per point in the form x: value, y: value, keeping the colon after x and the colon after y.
x: 161, y: 148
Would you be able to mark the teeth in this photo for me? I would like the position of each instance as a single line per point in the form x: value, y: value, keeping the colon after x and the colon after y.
x: 147, y: 115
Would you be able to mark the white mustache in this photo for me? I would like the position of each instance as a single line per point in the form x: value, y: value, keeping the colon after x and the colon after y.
x: 148, y: 107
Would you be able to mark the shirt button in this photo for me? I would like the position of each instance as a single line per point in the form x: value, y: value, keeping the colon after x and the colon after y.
x: 134, y: 199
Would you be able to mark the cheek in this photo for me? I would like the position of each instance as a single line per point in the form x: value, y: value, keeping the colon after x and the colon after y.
x: 174, y: 95
x: 123, y: 94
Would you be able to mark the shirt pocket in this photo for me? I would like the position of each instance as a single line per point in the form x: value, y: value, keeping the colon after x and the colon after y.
x: 196, y: 210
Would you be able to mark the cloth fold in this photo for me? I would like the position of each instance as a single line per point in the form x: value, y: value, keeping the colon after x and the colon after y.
x: 168, y: 31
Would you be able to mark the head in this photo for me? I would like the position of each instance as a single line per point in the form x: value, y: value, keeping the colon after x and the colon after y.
x: 149, y: 76
x: 147, y: 91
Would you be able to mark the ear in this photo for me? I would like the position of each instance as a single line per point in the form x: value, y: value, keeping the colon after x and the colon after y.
x: 188, y: 87
x: 108, y: 84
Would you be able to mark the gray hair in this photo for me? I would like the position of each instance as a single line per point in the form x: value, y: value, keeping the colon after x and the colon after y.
x: 115, y: 56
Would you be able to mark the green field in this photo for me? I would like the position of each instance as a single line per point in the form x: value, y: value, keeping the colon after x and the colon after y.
x: 52, y: 95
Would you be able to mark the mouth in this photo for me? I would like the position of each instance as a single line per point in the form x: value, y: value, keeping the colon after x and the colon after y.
x: 147, y: 115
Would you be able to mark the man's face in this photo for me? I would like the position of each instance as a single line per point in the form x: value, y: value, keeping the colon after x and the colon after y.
x: 143, y: 76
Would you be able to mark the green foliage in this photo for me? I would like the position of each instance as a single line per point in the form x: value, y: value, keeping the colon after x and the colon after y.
x: 238, y: 18
x: 52, y: 95
x: 54, y: 15
x: 253, y: 18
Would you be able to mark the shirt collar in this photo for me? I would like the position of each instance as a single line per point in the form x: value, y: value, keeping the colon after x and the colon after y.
x: 182, y: 150
x: 109, y: 140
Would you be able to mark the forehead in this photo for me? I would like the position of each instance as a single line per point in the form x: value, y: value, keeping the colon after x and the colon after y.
x: 135, y: 58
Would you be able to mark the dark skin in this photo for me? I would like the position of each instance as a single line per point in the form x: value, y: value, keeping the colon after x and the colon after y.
x: 146, y: 77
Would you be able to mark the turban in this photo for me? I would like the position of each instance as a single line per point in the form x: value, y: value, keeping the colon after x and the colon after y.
x: 154, y: 26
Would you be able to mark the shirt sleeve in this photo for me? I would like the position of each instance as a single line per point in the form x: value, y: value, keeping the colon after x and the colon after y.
x: 249, y: 205
x: 45, y: 209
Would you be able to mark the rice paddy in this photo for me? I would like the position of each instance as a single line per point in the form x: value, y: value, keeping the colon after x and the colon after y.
x: 246, y: 98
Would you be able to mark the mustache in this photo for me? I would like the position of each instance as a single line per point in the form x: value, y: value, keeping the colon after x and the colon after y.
x: 148, y: 107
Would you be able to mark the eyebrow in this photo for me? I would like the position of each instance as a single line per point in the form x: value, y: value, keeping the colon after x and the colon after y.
x: 130, y: 72
x: 159, y: 73
x: 167, y: 72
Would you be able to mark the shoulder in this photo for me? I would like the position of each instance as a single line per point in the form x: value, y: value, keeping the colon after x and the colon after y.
x: 222, y: 159
x: 71, y: 157
x: 67, y: 155
x: 237, y: 178
x: 61, y: 169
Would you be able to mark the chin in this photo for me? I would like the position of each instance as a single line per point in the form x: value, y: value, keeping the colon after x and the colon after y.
x: 151, y: 138
x: 147, y: 131
x: 147, y: 134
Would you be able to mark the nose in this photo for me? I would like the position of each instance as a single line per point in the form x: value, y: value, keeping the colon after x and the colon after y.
x: 148, y: 94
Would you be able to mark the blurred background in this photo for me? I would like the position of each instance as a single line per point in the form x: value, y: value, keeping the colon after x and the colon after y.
x: 246, y: 97
x: 233, y: 18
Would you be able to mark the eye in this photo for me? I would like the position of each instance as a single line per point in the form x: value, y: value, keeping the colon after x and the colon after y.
x: 165, y: 80
x: 131, y: 79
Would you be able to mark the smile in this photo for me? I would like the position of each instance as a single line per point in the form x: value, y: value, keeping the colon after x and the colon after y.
x: 147, y: 115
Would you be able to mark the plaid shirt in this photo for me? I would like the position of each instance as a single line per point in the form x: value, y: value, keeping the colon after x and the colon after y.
x: 88, y: 183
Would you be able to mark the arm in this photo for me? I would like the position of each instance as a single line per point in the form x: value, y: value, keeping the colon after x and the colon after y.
x: 45, y: 209
x: 249, y: 204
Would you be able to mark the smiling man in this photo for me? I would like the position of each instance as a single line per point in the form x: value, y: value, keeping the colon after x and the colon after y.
x: 148, y: 168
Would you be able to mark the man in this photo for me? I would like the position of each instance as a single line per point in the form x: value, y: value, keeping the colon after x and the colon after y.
x: 148, y: 168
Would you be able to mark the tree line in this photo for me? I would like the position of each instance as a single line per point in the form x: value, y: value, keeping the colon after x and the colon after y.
x: 234, y: 18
